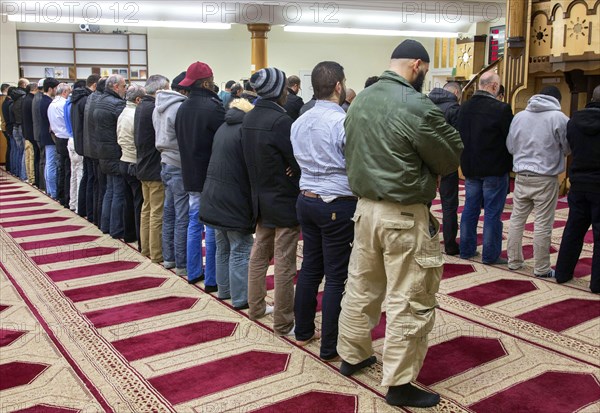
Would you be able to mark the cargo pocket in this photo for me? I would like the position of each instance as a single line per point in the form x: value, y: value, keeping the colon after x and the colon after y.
x: 431, y: 261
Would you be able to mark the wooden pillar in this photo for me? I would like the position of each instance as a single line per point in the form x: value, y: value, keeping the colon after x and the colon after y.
x: 516, y: 61
x: 259, y: 45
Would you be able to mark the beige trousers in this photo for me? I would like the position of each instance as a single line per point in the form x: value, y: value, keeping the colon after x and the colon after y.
x: 29, y: 162
x: 151, y: 220
x: 394, y: 258
x: 282, y: 244
x: 540, y: 194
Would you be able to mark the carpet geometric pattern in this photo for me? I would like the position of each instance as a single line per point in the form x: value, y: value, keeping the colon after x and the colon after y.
x: 88, y: 324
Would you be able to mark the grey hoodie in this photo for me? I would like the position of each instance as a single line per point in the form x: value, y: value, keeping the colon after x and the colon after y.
x: 163, y: 118
x: 538, y: 137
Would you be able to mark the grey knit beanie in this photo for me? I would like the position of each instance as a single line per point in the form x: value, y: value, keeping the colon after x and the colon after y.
x: 269, y: 83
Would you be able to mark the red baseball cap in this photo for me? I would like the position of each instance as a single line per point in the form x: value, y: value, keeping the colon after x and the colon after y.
x: 196, y: 71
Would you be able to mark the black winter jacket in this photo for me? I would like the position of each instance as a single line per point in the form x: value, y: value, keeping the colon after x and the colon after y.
x: 583, y: 134
x: 293, y: 105
x: 107, y: 111
x: 45, y: 137
x: 17, y: 108
x: 90, y: 131
x: 268, y: 153
x: 226, y: 197
x: 35, y: 110
x: 197, y: 121
x: 28, y: 117
x: 483, y: 123
x: 148, y: 158
x: 447, y: 102
x: 6, y: 115
x: 78, y: 101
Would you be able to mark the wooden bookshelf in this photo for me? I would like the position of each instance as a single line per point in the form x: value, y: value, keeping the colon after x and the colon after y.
x: 69, y: 56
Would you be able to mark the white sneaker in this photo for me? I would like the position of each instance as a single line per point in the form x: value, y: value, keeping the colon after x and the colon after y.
x: 269, y: 309
x: 291, y: 333
x: 168, y: 264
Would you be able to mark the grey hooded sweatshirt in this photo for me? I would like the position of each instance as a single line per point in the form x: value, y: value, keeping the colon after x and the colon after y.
x: 538, y: 137
x: 163, y: 118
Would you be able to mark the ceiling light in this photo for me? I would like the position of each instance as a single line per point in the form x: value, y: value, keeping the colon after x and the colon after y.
x: 109, y: 22
x: 368, y: 32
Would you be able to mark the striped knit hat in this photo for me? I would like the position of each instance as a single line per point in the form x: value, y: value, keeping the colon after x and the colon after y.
x: 269, y: 83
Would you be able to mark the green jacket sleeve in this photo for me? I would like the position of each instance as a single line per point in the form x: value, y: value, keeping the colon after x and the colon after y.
x: 438, y: 144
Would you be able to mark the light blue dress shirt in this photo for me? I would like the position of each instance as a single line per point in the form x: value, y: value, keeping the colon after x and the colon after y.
x: 318, y: 139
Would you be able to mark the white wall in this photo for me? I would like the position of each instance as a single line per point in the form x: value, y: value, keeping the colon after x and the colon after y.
x: 228, y: 52
x: 9, y: 71
x: 170, y: 51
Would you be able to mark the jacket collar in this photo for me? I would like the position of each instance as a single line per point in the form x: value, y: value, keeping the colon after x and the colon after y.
x: 203, y: 92
x: 485, y: 93
x: 393, y: 76
x: 112, y: 92
x: 593, y: 105
x: 269, y: 104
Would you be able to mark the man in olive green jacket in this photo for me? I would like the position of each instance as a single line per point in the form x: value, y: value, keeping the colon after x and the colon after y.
x: 398, y: 143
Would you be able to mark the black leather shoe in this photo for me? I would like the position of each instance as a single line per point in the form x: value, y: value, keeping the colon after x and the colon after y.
x: 211, y: 288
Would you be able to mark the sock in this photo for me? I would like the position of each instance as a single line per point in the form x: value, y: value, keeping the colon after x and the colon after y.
x: 409, y: 395
x: 348, y: 369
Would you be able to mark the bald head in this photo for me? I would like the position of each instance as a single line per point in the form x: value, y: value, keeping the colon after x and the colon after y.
x: 490, y: 82
x: 453, y: 88
x: 596, y: 94
x: 350, y: 95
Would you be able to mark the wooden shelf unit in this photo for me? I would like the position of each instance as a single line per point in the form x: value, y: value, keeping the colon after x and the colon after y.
x: 79, y: 54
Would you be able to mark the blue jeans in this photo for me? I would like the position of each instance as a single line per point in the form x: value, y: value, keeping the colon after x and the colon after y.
x: 113, y: 206
x: 51, y: 170
x: 17, y: 152
x: 233, y: 254
x: 194, y: 245
x: 492, y: 191
x: 175, y: 217
x: 327, y: 231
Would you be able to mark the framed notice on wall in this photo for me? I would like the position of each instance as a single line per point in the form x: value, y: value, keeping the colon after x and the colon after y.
x: 497, y: 40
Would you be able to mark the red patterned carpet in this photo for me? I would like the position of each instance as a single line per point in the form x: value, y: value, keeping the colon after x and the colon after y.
x: 89, y: 325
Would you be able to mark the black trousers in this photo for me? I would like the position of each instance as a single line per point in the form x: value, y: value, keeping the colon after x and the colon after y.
x: 449, y: 197
x: 36, y: 164
x: 82, y: 191
x: 99, y: 191
x: 584, y: 210
x: 133, y: 202
x: 63, y: 181
x: 7, y: 159
x: 42, y: 167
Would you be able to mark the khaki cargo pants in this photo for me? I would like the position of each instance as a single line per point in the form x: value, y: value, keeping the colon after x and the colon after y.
x: 394, y: 258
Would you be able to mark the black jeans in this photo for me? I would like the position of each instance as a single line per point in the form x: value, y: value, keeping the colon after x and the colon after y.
x: 449, y: 197
x: 42, y: 166
x: 133, y: 202
x: 98, y: 191
x: 328, y: 232
x: 36, y: 163
x: 82, y: 197
x: 584, y: 209
x: 63, y: 181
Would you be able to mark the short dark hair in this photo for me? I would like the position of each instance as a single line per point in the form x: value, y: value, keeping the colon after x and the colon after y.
x: 101, y: 85
x: 28, y: 87
x: 324, y: 77
x: 10, y: 91
x: 370, y: 81
x: 198, y: 83
x: 293, y: 81
x: 551, y: 91
x: 50, y: 83
x: 80, y: 84
x: 92, y: 80
x: 229, y: 84
x: 4, y: 87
